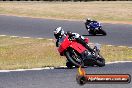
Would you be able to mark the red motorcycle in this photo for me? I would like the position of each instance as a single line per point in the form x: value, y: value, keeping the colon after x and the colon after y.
x: 77, y: 55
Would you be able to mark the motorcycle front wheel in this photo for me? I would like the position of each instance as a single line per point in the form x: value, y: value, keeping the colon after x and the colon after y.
x: 100, y: 61
x: 73, y: 57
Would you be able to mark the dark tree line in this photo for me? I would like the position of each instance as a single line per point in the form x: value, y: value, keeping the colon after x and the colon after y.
x: 66, y: 0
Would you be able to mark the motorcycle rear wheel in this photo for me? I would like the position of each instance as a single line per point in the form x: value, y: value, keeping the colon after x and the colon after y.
x: 100, y: 61
x: 73, y: 57
x: 91, y: 32
x: 103, y: 32
x: 69, y: 65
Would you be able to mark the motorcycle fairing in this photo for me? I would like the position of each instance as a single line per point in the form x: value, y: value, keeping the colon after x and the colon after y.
x: 64, y: 45
x: 78, y: 47
x: 95, y: 25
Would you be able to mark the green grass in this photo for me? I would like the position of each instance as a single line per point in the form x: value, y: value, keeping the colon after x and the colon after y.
x: 99, y: 10
x: 19, y: 53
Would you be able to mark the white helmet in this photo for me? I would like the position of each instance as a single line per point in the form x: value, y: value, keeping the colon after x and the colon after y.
x: 88, y: 19
x: 59, y: 32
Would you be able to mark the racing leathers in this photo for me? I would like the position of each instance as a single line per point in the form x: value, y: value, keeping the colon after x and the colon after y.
x: 88, y: 23
x: 79, y: 39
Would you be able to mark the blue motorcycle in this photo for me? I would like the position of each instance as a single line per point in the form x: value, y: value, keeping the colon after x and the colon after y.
x: 95, y: 28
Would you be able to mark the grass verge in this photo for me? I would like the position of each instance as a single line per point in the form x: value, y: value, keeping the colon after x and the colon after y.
x: 99, y: 10
x: 20, y: 53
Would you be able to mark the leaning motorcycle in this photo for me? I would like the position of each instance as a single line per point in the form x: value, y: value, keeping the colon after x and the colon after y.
x: 77, y: 55
x: 95, y: 28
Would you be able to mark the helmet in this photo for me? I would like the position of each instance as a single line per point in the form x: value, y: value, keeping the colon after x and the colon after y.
x: 69, y: 32
x: 59, y: 32
x: 88, y: 20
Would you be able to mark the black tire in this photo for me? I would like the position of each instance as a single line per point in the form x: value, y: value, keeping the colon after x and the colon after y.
x: 69, y: 65
x: 91, y: 32
x: 94, y: 33
x: 100, y: 61
x: 103, y: 32
x: 70, y: 58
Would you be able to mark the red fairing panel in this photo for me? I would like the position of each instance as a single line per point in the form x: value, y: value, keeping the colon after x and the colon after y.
x: 64, y: 45
x: 78, y: 47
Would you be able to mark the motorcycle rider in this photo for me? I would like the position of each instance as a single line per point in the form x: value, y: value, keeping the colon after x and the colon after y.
x: 59, y: 33
x: 88, y: 22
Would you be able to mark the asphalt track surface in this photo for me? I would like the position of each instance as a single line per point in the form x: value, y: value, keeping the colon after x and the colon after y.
x: 62, y: 77
x: 118, y: 34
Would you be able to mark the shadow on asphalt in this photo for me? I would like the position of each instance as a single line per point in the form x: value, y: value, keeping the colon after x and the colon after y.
x: 73, y: 67
x: 93, y: 35
x: 64, y: 68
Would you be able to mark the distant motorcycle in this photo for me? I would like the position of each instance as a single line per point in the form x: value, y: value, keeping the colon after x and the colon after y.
x: 95, y: 28
x: 77, y: 55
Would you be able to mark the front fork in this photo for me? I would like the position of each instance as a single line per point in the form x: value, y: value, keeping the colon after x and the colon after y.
x: 76, y: 56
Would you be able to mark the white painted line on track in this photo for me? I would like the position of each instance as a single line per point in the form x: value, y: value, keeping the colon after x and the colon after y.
x: 109, y: 45
x: 33, y: 69
x: 26, y: 37
x: 122, y: 46
x: 129, y: 47
x: 50, y: 39
x: 40, y: 38
x: 53, y: 39
x: 63, y: 66
x: 14, y: 36
x: 39, y: 69
x: 3, y: 35
x: 117, y: 62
